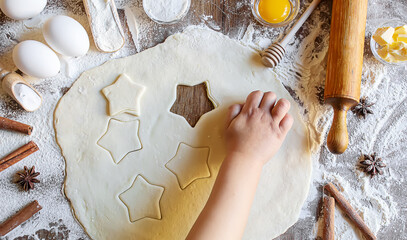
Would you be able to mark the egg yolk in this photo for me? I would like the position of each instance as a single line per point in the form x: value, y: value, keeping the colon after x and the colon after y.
x: 274, y: 11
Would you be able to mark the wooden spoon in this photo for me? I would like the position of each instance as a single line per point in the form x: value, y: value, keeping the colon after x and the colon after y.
x: 10, y: 81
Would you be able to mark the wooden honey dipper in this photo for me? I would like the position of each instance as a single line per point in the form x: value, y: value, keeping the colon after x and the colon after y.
x: 275, y: 53
x: 344, y: 69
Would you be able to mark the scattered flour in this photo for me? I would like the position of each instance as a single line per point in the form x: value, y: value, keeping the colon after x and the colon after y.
x: 380, y: 200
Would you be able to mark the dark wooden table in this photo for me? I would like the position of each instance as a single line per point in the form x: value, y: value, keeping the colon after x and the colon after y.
x: 232, y: 18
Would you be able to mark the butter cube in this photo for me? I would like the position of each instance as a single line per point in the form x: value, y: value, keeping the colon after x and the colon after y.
x: 398, y: 52
x: 399, y: 55
x: 396, y: 45
x: 384, y: 35
x: 393, y: 42
x: 384, y: 52
x: 402, y: 38
x: 401, y: 30
x: 390, y: 58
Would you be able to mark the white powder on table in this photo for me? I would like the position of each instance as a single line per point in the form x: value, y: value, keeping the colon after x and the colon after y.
x: 27, y: 97
x: 380, y: 200
x: 166, y: 10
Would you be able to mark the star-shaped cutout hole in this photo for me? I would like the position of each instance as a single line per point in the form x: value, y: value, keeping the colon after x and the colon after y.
x: 142, y: 199
x: 189, y: 164
x: 192, y: 102
x: 124, y: 96
x: 128, y: 131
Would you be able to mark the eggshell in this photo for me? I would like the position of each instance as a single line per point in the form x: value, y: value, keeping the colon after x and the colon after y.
x: 22, y: 9
x: 66, y: 36
x: 36, y: 59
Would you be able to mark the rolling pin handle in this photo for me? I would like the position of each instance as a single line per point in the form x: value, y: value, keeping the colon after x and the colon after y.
x: 338, y: 134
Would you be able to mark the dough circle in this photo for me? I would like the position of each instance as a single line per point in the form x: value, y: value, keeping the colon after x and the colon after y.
x: 95, y: 184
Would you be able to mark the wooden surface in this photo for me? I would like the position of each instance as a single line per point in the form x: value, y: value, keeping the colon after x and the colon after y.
x: 344, y: 69
x: 192, y: 102
x: 232, y: 18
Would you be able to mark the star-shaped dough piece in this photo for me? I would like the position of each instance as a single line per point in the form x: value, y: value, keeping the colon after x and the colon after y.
x: 124, y: 96
x: 121, y: 138
x: 189, y: 164
x: 142, y: 199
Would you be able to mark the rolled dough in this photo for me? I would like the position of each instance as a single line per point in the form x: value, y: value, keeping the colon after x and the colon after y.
x: 94, y: 183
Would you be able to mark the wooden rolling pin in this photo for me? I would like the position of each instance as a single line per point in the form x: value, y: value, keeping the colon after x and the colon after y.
x: 344, y: 70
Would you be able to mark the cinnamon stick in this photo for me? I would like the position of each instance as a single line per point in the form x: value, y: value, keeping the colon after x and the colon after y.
x: 329, y: 219
x: 18, y: 155
x: 20, y: 217
x: 349, y: 211
x: 9, y: 124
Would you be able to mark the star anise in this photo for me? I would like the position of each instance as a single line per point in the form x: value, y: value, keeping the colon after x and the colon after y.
x: 27, y: 178
x: 363, y: 108
x: 371, y: 164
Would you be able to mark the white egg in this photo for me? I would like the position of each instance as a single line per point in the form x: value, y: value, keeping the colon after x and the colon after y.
x: 36, y: 59
x: 22, y: 9
x: 66, y: 36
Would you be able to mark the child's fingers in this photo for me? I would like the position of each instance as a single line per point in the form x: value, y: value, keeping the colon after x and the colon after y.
x: 268, y: 101
x: 234, y: 110
x: 280, y: 109
x: 252, y: 101
x: 286, y: 123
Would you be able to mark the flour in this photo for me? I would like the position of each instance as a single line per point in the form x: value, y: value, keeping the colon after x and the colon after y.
x: 302, y: 71
x: 166, y: 11
x: 27, y: 97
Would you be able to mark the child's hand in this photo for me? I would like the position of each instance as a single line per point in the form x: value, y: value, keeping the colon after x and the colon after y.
x: 256, y: 129
x: 254, y: 133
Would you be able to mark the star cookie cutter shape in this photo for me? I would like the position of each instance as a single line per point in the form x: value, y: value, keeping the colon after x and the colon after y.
x: 193, y: 102
x: 142, y: 199
x: 127, y: 133
x: 124, y: 96
x: 189, y: 164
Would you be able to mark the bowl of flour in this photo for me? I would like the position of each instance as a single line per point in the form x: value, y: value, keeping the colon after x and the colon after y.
x: 166, y: 11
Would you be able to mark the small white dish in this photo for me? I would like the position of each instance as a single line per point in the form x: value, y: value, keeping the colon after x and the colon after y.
x: 160, y: 12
